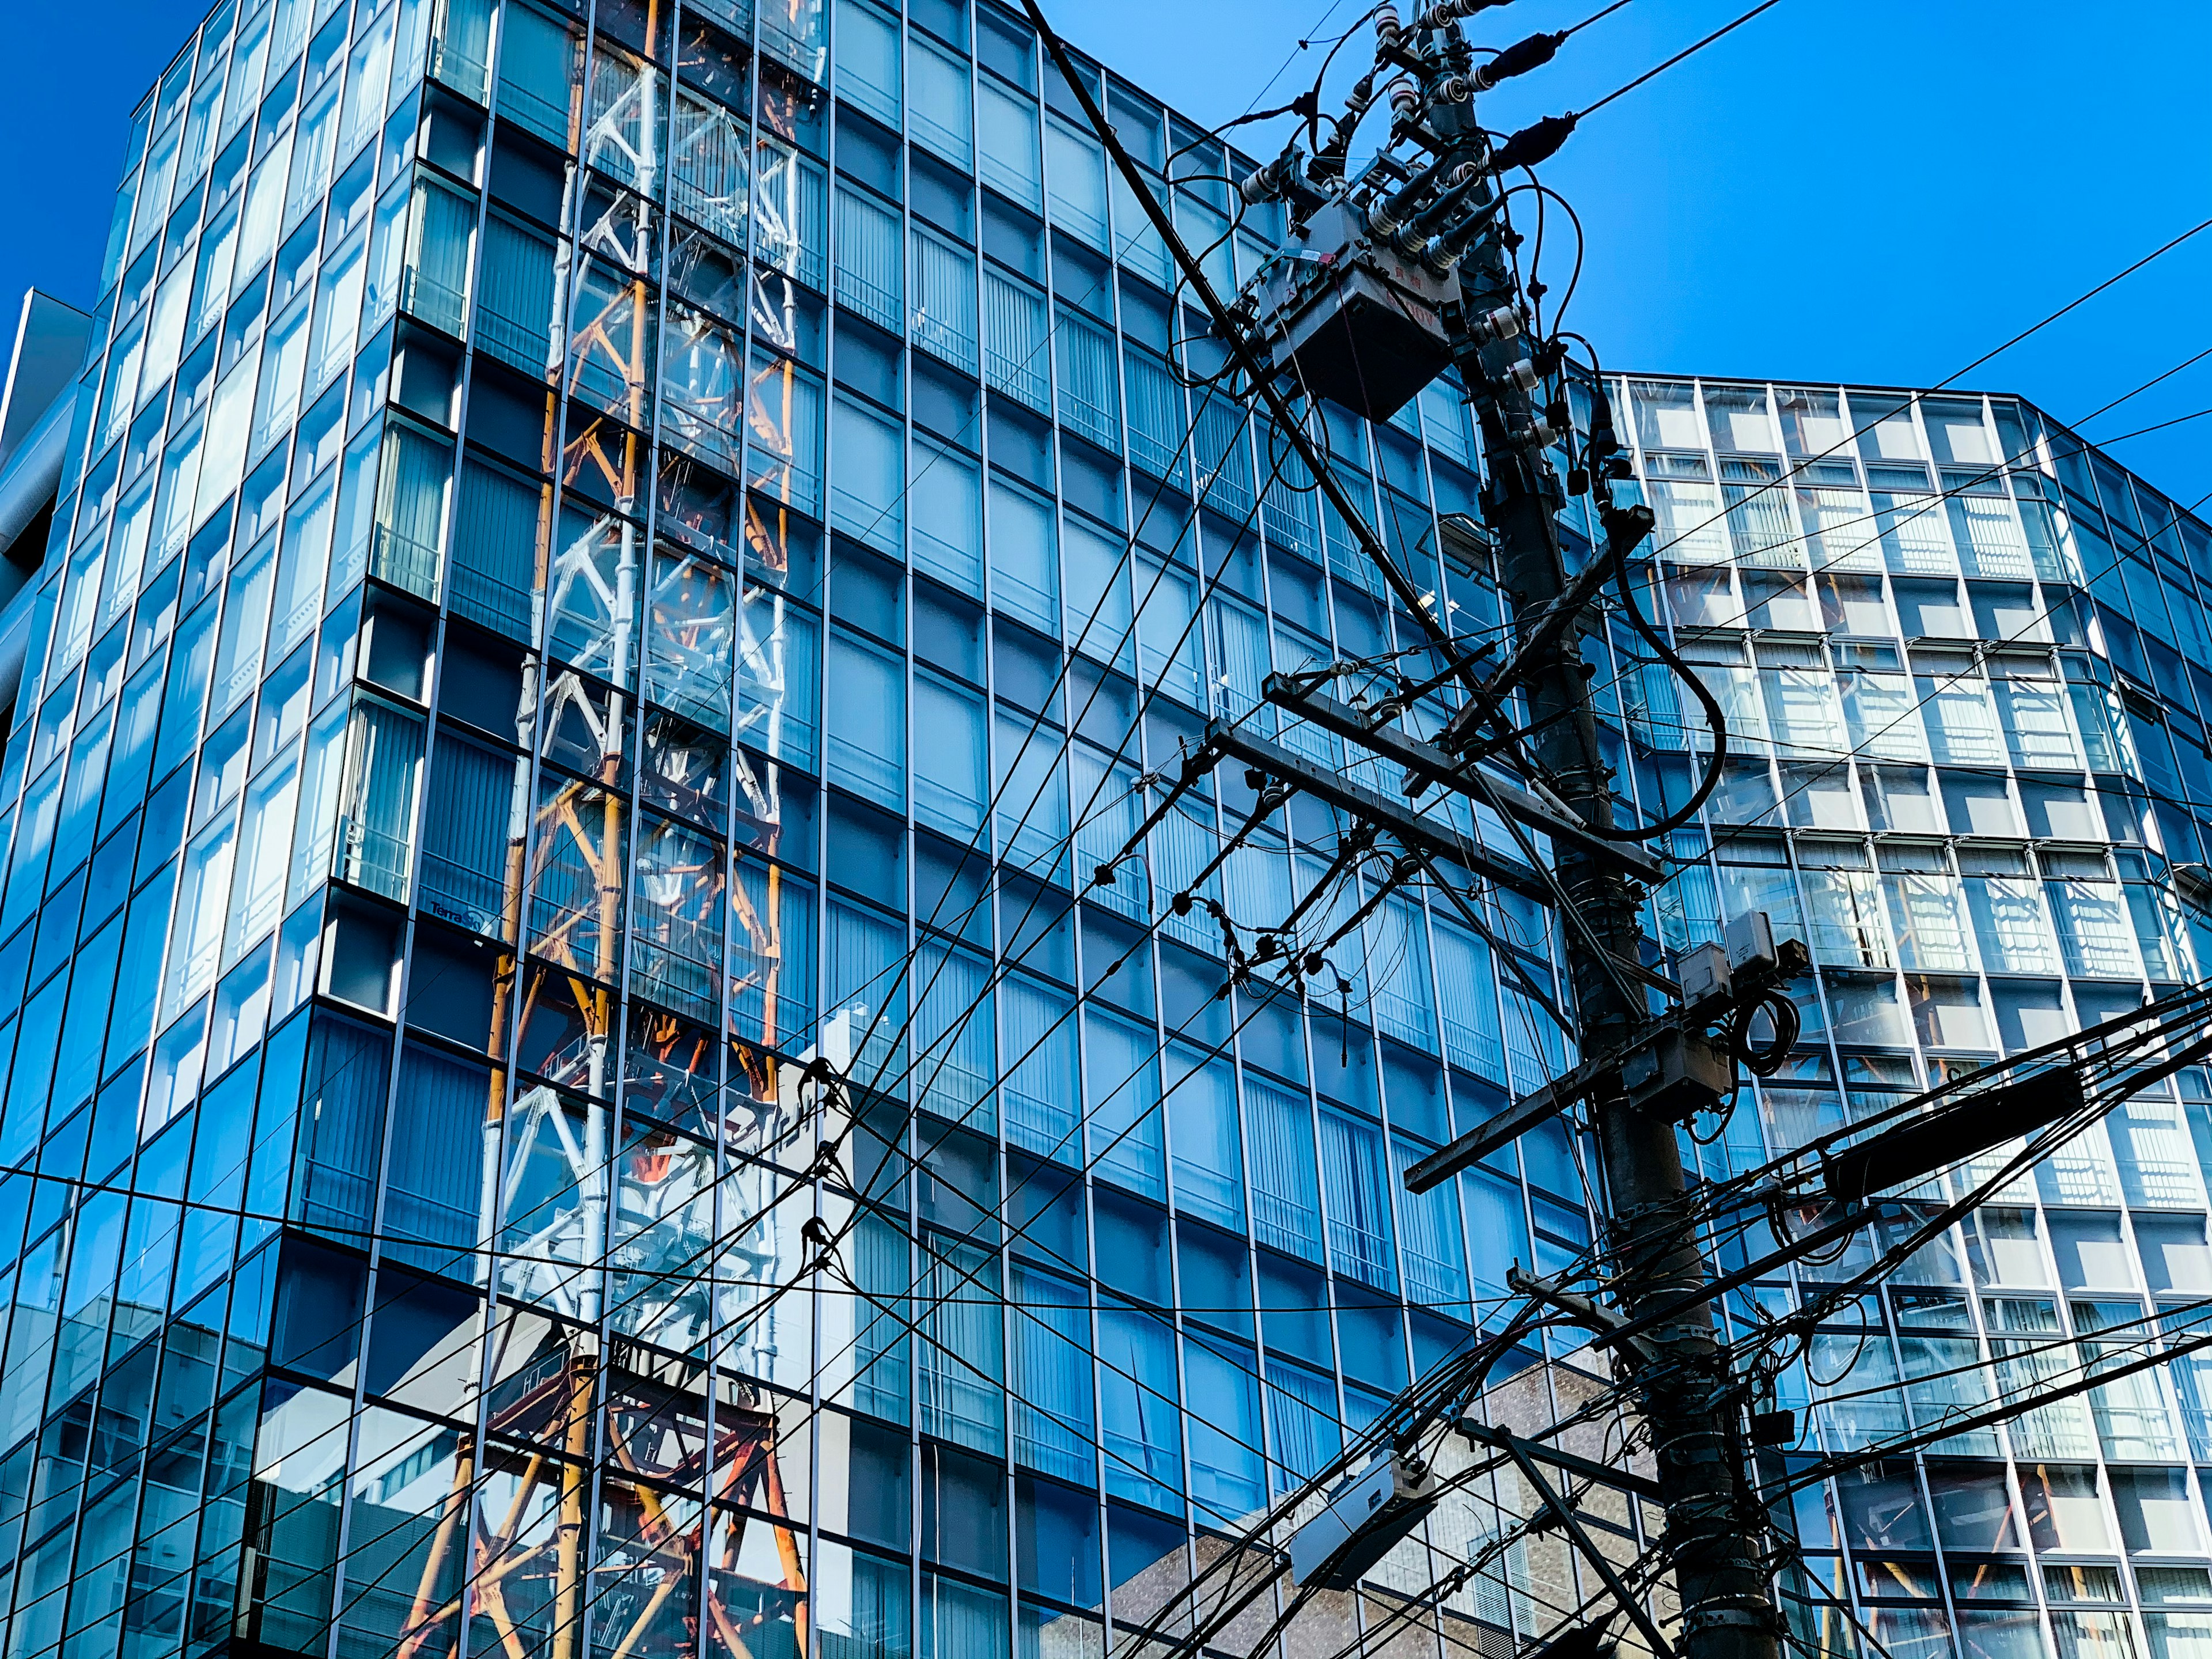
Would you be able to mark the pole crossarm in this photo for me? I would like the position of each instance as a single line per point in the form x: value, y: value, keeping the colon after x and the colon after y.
x: 1434, y: 765
x: 1438, y: 839
x: 1608, y: 1475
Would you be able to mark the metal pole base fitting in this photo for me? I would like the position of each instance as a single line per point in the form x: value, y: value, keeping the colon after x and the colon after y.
x: 1755, y: 1616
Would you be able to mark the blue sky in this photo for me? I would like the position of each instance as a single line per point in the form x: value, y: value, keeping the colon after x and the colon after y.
x: 1882, y: 190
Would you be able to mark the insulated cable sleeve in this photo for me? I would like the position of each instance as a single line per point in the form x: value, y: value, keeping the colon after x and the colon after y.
x: 1715, y: 716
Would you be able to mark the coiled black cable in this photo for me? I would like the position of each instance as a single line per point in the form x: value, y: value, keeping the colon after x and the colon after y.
x: 1763, y: 1060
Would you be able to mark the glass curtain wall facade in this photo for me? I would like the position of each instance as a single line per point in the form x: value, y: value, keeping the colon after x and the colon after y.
x: 619, y: 563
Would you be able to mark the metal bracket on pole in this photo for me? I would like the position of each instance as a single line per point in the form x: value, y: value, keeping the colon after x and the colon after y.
x: 1605, y: 1474
x: 1585, y: 1312
x: 1516, y: 1449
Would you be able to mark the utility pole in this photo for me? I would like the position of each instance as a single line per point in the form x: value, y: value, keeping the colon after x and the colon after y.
x: 1386, y: 278
x: 1683, y: 1387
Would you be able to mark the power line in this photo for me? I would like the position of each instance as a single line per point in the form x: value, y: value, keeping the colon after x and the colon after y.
x: 1939, y: 682
x: 1686, y: 51
x: 1595, y: 16
x: 2145, y: 431
x: 1853, y: 436
x: 1884, y: 519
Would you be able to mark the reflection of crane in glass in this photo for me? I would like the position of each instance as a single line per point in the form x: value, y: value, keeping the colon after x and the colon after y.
x: 507, y: 1551
x: 688, y: 1244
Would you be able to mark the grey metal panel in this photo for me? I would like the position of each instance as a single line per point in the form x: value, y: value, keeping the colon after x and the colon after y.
x: 49, y: 341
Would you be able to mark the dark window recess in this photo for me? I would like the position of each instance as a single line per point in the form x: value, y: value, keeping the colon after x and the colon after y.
x: 793, y: 320
x: 1060, y: 96
x: 1190, y: 999
x: 1273, y: 1039
x: 946, y: 19
x: 685, y: 769
x: 319, y: 1299
x: 951, y: 888
x: 1234, y: 556
x: 948, y: 631
x: 451, y: 135
x: 527, y: 176
x: 1374, y: 1347
x: 1164, y: 526
x: 867, y: 852
x: 944, y: 402
x: 1092, y: 480
x: 1132, y: 1245
x: 1415, y: 1085
x: 868, y: 152
x: 364, y: 951
x: 429, y: 375
x: 775, y: 810
x: 707, y: 274
x: 1044, y: 1204
x: 1028, y: 668
x: 1216, y: 1276
x: 1021, y: 442
x: 589, y: 470
x: 1119, y: 970
x: 1056, y: 1538
x: 1039, y: 935
x: 509, y: 416
x: 1137, y: 1540
x: 957, y: 1186
x: 1293, y: 1308
x: 1343, y: 1057
x: 964, y: 1512
x: 1105, y: 703
x: 413, y: 1315
x: 452, y: 980
x: 398, y: 654
x: 1006, y: 45
x: 631, y: 23
x: 1434, y: 1339
x: 1296, y: 587
x: 698, y: 505
x: 1081, y: 277
x: 1359, y: 623
x: 480, y: 681
x: 880, y: 1167
x: 1145, y: 314
x: 878, y: 1509
x: 1012, y: 236
x: 1400, y: 458
x: 793, y: 110
x: 942, y: 195
x: 714, y: 62
x: 867, y: 591
x: 868, y: 360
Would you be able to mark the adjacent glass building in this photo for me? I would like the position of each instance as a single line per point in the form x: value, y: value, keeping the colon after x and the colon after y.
x: 1966, y: 667
x: 620, y: 568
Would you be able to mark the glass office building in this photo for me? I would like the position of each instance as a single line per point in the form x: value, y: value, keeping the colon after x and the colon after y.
x: 573, y: 1088
x: 1966, y: 664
